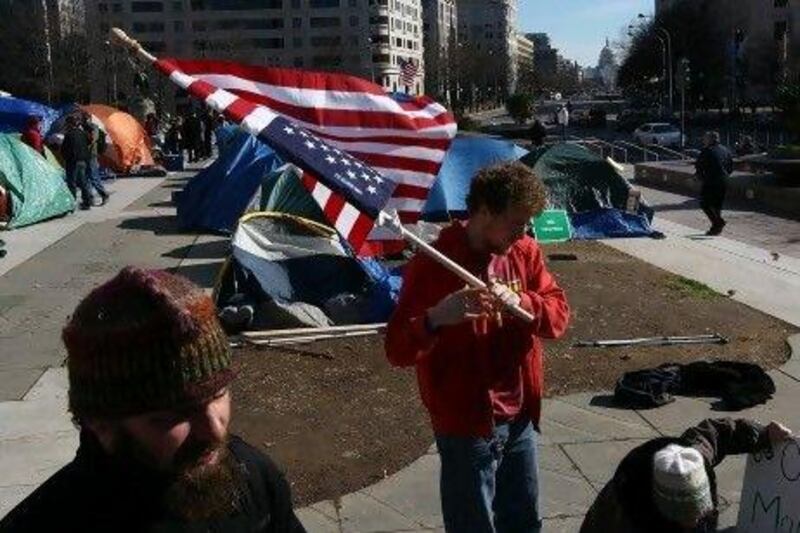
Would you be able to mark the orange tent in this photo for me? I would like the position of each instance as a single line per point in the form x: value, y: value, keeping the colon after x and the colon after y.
x: 127, y: 143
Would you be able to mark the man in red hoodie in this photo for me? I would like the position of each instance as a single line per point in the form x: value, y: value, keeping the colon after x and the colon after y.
x: 479, y: 367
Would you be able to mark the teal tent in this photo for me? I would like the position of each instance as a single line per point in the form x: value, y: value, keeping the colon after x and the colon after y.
x: 36, y: 186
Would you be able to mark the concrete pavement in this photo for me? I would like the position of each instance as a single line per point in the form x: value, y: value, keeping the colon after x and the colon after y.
x: 583, y: 438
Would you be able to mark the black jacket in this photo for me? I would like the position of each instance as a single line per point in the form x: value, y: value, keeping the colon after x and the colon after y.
x: 88, y: 495
x: 714, y: 165
x: 625, y: 505
x: 75, y: 147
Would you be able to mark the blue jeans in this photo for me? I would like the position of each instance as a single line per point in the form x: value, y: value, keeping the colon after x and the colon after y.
x: 77, y: 179
x: 94, y: 178
x: 491, y: 484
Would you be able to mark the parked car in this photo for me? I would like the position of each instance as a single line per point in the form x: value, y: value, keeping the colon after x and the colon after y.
x: 659, y: 133
x: 629, y: 119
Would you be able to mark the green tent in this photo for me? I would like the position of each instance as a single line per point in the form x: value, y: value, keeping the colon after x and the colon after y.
x: 577, y: 179
x: 282, y: 192
x: 36, y: 187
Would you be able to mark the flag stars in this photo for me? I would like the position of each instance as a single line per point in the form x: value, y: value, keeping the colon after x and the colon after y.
x: 372, y: 190
x: 345, y: 162
x: 324, y: 148
x: 288, y: 130
x: 330, y: 159
x: 304, y: 134
x: 351, y: 174
x: 310, y: 145
x: 365, y: 176
x: 357, y: 164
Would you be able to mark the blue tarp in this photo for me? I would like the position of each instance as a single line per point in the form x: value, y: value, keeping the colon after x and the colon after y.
x: 467, y: 155
x: 14, y: 113
x: 610, y: 223
x: 217, y: 196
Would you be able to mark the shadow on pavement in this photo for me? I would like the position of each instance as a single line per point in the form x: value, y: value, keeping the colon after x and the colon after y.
x: 204, y: 274
x: 158, y: 225
x: 680, y: 206
x: 164, y: 203
x: 204, y: 250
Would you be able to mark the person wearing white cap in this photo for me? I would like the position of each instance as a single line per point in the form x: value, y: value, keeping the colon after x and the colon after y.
x: 668, y: 484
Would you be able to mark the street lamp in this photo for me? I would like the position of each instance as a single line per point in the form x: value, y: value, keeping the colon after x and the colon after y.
x: 668, y: 35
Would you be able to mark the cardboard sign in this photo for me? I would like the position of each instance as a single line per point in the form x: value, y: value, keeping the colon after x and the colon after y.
x: 771, y: 492
x: 552, y: 226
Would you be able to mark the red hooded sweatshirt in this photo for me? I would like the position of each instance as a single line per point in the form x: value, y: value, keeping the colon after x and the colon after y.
x: 459, y: 368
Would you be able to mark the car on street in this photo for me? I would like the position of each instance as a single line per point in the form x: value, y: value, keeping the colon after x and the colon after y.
x: 658, y: 133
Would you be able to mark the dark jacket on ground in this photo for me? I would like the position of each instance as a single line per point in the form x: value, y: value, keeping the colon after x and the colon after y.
x: 625, y: 504
x: 714, y: 165
x: 75, y: 147
x: 90, y: 494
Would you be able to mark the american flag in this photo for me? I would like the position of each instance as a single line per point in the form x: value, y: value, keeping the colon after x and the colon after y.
x: 404, y: 138
x: 350, y: 192
x: 408, y: 72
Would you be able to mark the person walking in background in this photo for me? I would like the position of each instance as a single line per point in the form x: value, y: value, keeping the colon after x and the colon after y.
x: 173, y: 140
x: 562, y: 116
x: 208, y: 129
x: 192, y: 136
x: 97, y: 145
x: 149, y: 369
x: 76, y: 154
x: 667, y: 485
x: 714, y: 165
x: 32, y: 134
x: 537, y: 133
x: 479, y: 368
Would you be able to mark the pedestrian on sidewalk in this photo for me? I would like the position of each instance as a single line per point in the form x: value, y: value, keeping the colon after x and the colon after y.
x: 562, y: 117
x: 668, y: 484
x: 76, y: 154
x: 714, y: 165
x: 537, y: 133
x: 32, y: 135
x: 479, y: 368
x: 97, y: 145
x: 149, y: 369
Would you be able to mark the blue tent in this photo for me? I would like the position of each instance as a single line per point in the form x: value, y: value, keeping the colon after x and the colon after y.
x: 467, y: 155
x: 217, y: 196
x: 14, y: 113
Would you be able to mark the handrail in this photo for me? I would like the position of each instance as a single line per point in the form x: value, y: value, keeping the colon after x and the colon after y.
x: 681, y: 155
x: 644, y: 150
x: 613, y: 147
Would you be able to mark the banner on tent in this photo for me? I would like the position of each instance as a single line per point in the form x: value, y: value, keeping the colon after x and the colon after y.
x: 771, y: 491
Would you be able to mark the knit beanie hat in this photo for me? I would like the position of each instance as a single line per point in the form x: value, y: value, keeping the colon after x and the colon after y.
x: 681, y: 490
x: 144, y: 341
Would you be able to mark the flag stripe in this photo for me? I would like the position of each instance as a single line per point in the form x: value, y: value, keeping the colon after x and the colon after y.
x: 348, y: 118
x: 405, y: 138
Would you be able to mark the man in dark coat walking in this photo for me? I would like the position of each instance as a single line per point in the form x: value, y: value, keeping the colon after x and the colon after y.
x: 714, y: 165
x: 149, y: 368
x: 77, y: 155
x: 667, y: 485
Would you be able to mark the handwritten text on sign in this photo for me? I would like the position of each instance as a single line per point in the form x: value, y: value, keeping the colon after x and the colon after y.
x: 771, y: 491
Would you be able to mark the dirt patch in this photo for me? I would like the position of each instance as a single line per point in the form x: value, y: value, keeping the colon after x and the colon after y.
x: 337, y: 417
x: 334, y: 415
x: 614, y: 296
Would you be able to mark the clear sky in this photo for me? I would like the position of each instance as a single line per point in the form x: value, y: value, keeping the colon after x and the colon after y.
x: 578, y: 28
